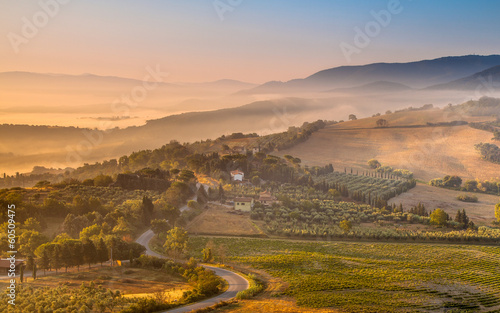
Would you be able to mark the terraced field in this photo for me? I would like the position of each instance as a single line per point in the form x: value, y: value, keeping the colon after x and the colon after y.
x: 374, y: 277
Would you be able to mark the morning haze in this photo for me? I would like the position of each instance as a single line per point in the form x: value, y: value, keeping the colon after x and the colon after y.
x: 284, y: 156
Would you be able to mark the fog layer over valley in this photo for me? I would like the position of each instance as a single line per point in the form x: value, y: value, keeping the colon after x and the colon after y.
x: 72, y: 110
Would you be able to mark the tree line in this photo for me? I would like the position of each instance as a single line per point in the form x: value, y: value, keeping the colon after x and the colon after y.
x: 65, y: 252
x: 455, y: 182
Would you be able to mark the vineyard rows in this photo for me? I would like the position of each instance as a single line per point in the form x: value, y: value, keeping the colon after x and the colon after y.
x: 375, y: 277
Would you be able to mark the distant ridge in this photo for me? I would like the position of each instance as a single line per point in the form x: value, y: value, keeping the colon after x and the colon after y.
x: 487, y: 79
x: 17, y: 76
x: 378, y: 86
x: 7, y: 78
x: 419, y: 74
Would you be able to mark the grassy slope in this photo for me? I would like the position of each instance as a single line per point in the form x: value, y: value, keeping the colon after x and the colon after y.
x: 429, y: 152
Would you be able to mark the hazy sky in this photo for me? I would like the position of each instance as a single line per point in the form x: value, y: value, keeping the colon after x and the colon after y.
x: 248, y: 40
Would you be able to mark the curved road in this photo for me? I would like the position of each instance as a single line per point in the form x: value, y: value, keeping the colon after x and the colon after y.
x: 236, y: 283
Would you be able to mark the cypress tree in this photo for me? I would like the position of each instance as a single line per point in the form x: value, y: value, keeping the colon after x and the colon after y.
x: 89, y: 252
x: 44, y: 260
x: 458, y: 217
x: 102, y: 251
x: 465, y: 218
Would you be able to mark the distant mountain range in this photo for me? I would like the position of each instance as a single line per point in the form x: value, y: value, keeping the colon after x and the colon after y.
x: 52, y: 94
x: 378, y: 86
x: 460, y: 72
x: 420, y: 74
x: 487, y: 79
x: 91, y: 81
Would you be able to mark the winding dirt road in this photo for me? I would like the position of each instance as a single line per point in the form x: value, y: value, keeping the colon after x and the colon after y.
x: 236, y: 283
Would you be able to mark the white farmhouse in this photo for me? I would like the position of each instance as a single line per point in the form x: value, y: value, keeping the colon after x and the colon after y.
x: 237, y: 175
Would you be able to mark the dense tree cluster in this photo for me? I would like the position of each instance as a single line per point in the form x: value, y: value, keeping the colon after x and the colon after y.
x: 464, y: 220
x: 489, y: 152
x: 204, y: 282
x: 237, y: 136
x: 488, y: 126
x: 440, y: 218
x: 135, y: 182
x: 485, y: 106
x: 410, y: 109
x: 447, y: 181
x: 418, y: 210
x: 455, y: 182
x: 176, y: 242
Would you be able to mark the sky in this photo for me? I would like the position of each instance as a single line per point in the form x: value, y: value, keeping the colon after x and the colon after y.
x: 248, y: 40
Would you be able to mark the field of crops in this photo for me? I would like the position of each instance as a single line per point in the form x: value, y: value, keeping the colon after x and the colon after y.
x: 375, y: 277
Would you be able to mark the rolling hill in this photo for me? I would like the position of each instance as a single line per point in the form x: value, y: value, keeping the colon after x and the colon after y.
x: 407, y: 143
x: 62, y: 147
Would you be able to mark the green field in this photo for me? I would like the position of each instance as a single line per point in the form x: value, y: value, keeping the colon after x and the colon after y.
x: 374, y: 277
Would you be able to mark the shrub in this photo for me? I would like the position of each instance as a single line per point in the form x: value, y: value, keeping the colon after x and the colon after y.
x: 467, y: 198
x: 374, y: 164
x: 256, y: 286
x: 145, y: 305
x: 104, y: 277
x: 439, y: 217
